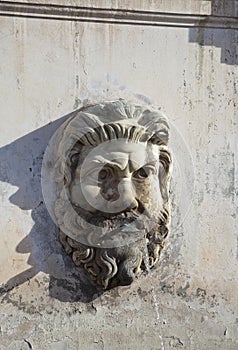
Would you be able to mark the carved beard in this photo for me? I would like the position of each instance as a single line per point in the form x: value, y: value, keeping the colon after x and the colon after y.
x: 110, y: 267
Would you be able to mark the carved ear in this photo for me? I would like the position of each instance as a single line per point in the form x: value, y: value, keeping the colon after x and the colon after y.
x: 165, y: 159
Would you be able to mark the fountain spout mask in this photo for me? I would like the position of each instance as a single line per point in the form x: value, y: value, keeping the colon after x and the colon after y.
x: 108, y: 173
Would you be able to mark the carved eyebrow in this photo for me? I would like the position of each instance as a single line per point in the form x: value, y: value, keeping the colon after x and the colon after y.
x: 120, y: 162
x: 91, y: 167
x: 96, y: 165
x: 151, y: 165
x: 147, y: 165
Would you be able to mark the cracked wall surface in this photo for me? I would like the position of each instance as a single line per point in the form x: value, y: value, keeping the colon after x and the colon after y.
x: 50, y: 68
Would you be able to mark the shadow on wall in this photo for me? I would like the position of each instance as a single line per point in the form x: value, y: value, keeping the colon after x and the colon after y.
x: 21, y: 166
x: 226, y: 39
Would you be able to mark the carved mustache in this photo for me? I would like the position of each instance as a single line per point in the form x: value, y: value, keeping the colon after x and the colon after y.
x: 99, y: 216
x: 124, y: 227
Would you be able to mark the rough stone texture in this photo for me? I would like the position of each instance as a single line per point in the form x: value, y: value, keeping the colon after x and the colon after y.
x: 48, y: 69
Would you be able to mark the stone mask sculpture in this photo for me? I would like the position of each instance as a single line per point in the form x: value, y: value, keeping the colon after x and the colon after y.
x: 112, y: 178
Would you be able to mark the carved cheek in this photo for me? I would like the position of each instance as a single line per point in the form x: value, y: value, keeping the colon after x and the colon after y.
x: 90, y: 198
x: 91, y: 192
x: 143, y: 192
x: 148, y: 192
x: 86, y: 190
x: 85, y: 197
x: 155, y: 193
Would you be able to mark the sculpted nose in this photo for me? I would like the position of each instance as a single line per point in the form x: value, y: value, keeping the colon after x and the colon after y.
x: 127, y: 194
x: 134, y: 205
x: 119, y: 198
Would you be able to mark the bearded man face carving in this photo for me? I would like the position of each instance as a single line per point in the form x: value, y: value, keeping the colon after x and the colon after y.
x: 112, y: 175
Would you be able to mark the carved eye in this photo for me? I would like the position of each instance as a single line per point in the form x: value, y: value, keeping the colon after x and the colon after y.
x: 104, y: 174
x: 141, y: 174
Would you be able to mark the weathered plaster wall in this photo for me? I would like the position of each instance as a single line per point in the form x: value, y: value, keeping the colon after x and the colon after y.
x: 50, y: 68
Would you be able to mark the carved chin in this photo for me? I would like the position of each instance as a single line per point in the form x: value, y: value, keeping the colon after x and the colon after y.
x: 113, y: 266
x: 107, y: 267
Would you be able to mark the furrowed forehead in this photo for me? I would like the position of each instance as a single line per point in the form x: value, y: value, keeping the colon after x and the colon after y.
x: 120, y: 153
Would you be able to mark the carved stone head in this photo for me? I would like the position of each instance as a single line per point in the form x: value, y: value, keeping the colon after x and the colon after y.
x: 112, y: 176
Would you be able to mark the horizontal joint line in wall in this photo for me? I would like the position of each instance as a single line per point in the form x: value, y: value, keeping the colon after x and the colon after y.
x: 115, y: 16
